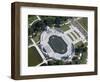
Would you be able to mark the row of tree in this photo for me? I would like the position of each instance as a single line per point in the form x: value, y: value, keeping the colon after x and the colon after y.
x: 46, y: 21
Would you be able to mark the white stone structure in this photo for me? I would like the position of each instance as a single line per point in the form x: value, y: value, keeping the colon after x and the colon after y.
x: 49, y: 51
x: 77, y: 33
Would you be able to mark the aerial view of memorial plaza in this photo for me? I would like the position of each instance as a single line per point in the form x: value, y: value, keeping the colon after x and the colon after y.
x: 57, y: 40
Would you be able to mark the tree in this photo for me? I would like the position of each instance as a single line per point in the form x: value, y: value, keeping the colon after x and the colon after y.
x: 30, y: 31
x: 57, y: 21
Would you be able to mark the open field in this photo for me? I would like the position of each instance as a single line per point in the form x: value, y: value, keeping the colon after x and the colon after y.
x: 84, y: 23
x: 31, y: 18
x: 34, y: 57
x: 29, y: 41
x: 65, y: 27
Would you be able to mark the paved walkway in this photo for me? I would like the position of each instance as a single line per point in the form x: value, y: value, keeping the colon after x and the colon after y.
x: 74, y: 30
x: 38, y: 18
x: 41, y: 54
x: 82, y: 33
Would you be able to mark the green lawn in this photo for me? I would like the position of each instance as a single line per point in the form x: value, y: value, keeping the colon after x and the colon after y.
x: 84, y: 23
x: 86, y: 43
x: 34, y: 57
x: 65, y: 27
x: 29, y: 41
x: 78, y: 44
x: 31, y: 18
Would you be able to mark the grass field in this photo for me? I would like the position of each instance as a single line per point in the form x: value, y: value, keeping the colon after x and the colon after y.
x: 65, y: 27
x: 29, y: 42
x: 31, y: 18
x: 84, y: 23
x: 34, y: 57
x: 78, y: 44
